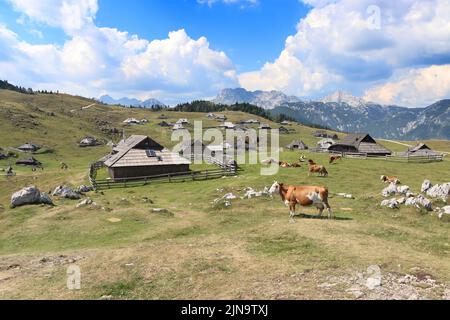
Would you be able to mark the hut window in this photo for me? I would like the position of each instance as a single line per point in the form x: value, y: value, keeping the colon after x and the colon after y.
x: 150, y: 153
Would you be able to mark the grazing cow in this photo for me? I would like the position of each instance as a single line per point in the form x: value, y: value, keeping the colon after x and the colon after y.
x: 315, y: 168
x: 296, y: 165
x: 335, y: 158
x: 64, y: 166
x: 390, y: 179
x: 305, y: 196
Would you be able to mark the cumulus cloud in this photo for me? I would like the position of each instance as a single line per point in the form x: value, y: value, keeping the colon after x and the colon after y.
x: 71, y: 15
x: 416, y: 87
x: 111, y: 61
x: 354, y: 45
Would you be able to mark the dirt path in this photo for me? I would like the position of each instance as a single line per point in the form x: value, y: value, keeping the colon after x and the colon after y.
x: 400, y: 143
x: 84, y: 108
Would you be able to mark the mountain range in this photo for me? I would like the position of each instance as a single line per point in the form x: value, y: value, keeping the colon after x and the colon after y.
x: 149, y: 103
x: 344, y: 112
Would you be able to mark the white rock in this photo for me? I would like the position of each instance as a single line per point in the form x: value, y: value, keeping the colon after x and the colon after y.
x: 390, y: 190
x: 424, y: 202
x: 84, y: 189
x: 393, y: 203
x: 401, y: 200
x: 229, y: 196
x: 373, y: 282
x: 84, y: 203
x: 441, y: 191
x: 30, y: 195
x: 403, y: 189
x: 420, y: 202
x: 443, y: 211
x: 66, y: 192
x: 426, y: 185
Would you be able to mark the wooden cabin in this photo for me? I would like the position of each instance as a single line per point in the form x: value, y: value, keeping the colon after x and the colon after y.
x: 140, y: 156
x: 360, y: 143
x: 297, y: 145
x: 29, y: 147
x: 420, y: 150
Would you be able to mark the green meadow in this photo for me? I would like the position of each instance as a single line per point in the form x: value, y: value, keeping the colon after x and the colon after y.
x: 197, y: 250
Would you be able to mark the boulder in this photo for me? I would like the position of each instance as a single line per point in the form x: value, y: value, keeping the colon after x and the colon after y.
x: 229, y: 196
x: 393, y: 203
x: 426, y: 185
x: 345, y: 195
x: 441, y: 191
x: 403, y: 190
x: 66, y: 192
x: 30, y: 195
x: 89, y: 142
x: 85, y: 202
x: 251, y: 193
x: 390, y: 190
x: 419, y: 202
x: 443, y: 211
x: 84, y: 189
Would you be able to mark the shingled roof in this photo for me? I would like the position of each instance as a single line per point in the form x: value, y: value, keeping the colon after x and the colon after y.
x: 421, y: 149
x: 361, y: 142
x: 134, y: 142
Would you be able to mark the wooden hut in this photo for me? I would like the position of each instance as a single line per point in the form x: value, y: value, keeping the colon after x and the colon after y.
x: 140, y: 156
x: 30, y: 161
x: 420, y: 150
x: 297, y: 145
x: 360, y: 143
x: 29, y: 147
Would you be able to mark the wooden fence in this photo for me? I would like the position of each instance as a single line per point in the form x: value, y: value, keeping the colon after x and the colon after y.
x: 226, y: 168
x: 393, y: 158
x: 170, y: 177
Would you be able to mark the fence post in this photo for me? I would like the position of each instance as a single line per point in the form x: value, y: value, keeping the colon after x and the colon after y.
x: 169, y: 177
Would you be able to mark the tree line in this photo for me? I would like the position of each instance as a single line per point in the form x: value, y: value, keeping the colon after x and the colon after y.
x: 209, y: 107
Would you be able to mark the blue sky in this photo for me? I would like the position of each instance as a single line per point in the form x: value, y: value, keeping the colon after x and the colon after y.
x: 249, y: 35
x: 385, y: 51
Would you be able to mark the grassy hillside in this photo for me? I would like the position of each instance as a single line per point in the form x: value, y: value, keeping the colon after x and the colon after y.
x: 197, y: 250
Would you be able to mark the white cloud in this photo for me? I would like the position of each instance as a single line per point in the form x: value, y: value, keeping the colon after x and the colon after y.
x: 416, y: 87
x: 336, y: 47
x: 70, y: 15
x: 97, y: 59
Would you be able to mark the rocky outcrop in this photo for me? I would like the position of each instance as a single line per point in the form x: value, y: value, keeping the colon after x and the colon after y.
x: 66, y: 192
x: 30, y: 195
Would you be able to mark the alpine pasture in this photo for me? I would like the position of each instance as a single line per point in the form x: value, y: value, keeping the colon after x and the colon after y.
x: 197, y: 250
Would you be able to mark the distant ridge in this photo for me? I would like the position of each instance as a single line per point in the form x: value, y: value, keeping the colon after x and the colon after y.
x: 127, y: 102
x: 344, y: 112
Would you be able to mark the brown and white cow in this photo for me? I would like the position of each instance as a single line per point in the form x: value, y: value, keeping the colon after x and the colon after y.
x: 304, y: 196
x: 335, y: 158
x: 315, y: 168
x: 390, y: 179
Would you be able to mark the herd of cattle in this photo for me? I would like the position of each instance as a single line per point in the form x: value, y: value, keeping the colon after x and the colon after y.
x: 306, y: 196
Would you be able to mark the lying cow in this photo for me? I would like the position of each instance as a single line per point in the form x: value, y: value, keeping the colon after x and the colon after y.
x: 315, y: 168
x: 390, y: 179
x: 305, y: 196
x: 284, y: 164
